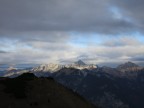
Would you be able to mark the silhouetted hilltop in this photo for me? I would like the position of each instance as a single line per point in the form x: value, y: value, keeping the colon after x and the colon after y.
x: 28, y: 91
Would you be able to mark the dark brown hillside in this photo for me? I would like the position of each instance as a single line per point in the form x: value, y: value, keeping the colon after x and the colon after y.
x: 28, y: 91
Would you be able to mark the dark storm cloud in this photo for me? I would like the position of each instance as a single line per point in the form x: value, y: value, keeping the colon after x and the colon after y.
x: 132, y: 9
x: 138, y: 58
x: 1, y: 52
x: 37, y: 36
x: 40, y: 30
x: 60, y: 15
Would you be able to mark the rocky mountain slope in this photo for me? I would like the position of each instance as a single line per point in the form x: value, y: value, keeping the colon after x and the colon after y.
x: 28, y: 91
x: 129, y: 67
x: 107, y: 87
x: 56, y: 67
x: 47, y: 69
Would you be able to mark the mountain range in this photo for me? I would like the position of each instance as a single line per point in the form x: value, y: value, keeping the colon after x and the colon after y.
x: 128, y: 69
x: 120, y: 87
x: 106, y: 87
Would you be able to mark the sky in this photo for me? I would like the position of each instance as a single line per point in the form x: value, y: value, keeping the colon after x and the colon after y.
x: 102, y: 32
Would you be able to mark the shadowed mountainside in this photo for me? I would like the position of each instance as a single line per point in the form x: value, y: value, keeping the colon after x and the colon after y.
x: 28, y: 91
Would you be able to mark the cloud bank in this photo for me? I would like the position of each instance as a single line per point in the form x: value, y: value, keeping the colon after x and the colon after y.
x: 96, y: 31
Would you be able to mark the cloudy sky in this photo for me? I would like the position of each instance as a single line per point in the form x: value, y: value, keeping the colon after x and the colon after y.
x: 104, y: 32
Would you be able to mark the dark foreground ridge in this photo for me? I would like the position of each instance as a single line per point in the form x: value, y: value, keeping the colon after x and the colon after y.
x: 28, y: 91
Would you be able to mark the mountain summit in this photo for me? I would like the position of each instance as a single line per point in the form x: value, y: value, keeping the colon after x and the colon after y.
x: 128, y: 66
x: 80, y: 62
